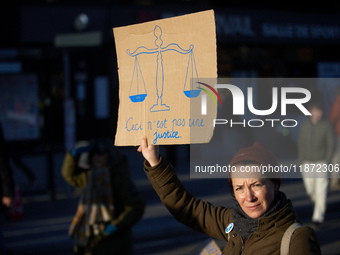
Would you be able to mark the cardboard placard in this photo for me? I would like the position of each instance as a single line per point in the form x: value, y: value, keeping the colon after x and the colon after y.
x: 160, y: 66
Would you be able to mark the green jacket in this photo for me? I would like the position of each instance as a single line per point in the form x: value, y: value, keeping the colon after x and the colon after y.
x: 316, y: 141
x: 128, y: 204
x: 213, y: 220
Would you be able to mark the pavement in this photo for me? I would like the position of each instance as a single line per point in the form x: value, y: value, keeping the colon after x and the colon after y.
x: 43, y: 228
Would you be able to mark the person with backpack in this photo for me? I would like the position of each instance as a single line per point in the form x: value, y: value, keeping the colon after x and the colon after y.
x: 260, y: 218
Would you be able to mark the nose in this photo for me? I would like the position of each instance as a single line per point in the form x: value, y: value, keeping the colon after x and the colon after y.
x: 250, y: 195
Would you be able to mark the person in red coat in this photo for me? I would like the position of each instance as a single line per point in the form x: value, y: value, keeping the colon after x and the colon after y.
x: 334, y: 118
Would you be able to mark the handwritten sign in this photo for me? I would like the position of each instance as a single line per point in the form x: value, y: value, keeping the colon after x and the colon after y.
x: 161, y: 65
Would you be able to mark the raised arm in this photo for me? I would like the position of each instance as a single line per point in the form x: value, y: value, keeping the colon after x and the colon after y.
x: 194, y: 213
x: 150, y: 152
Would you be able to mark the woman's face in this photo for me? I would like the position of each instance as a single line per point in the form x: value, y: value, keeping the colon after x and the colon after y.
x: 253, y: 194
x: 100, y: 159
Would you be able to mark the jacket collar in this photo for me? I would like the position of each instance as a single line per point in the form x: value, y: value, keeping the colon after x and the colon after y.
x: 285, y: 214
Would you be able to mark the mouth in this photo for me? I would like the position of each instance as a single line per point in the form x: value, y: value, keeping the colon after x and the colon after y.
x: 253, y: 207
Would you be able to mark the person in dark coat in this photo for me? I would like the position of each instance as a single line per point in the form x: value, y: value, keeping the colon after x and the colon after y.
x: 6, y: 187
x: 315, y: 149
x: 109, y: 205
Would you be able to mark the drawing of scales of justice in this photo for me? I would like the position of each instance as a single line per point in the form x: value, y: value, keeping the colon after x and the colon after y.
x: 137, y: 76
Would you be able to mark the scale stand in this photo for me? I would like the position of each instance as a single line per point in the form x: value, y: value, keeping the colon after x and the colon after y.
x: 137, y: 73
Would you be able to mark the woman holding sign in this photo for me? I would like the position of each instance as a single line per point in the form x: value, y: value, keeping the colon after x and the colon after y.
x: 258, y: 221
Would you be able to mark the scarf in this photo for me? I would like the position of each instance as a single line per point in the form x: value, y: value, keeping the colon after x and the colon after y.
x: 246, y: 226
x: 95, y: 207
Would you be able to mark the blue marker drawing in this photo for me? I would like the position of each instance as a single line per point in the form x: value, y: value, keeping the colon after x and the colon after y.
x: 138, y: 76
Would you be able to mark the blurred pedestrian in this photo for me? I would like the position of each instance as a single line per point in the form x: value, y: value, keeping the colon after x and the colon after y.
x: 315, y: 149
x: 334, y: 118
x: 109, y: 204
x: 6, y: 187
x: 257, y: 223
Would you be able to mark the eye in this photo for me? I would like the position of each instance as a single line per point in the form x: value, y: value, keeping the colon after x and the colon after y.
x: 257, y: 186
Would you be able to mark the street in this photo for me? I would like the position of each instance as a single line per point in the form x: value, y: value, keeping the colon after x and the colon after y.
x: 43, y: 229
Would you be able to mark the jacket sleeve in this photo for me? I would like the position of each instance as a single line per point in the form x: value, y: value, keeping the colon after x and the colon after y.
x: 70, y: 173
x: 196, y: 214
x: 304, y: 241
x: 128, y: 198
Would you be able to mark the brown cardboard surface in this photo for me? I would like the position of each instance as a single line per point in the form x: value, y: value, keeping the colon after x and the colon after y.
x: 159, y: 65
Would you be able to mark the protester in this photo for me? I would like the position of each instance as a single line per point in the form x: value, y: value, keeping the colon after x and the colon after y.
x: 334, y: 118
x: 109, y: 204
x: 315, y: 149
x: 6, y: 188
x: 258, y: 221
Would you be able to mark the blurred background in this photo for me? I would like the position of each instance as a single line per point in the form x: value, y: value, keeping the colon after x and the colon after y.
x: 59, y: 84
